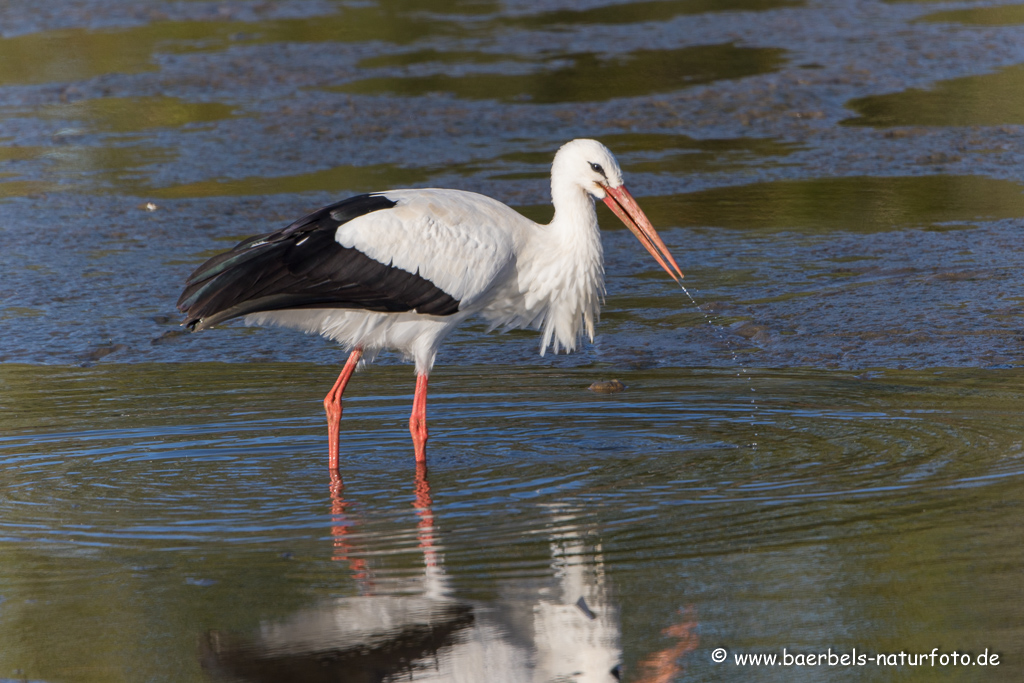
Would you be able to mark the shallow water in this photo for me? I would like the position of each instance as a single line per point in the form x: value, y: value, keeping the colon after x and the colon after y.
x: 826, y: 454
x: 135, y: 527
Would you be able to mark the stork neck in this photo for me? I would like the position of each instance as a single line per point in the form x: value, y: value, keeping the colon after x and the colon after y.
x: 574, y: 208
x: 564, y: 277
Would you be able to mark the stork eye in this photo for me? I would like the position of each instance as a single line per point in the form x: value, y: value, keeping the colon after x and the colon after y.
x: 597, y: 168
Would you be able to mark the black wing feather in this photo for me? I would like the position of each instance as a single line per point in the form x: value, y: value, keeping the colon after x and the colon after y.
x: 303, y: 266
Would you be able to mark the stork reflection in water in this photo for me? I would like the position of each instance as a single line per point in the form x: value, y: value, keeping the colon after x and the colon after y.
x: 564, y: 627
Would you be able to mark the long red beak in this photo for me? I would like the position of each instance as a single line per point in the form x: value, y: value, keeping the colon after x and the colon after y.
x: 622, y: 204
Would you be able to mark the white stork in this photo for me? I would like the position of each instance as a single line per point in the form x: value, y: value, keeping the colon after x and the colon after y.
x: 400, y: 269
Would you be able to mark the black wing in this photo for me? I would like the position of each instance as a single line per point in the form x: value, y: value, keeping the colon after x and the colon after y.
x: 302, y: 266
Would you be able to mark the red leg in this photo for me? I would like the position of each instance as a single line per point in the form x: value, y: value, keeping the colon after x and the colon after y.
x: 418, y: 419
x: 332, y: 404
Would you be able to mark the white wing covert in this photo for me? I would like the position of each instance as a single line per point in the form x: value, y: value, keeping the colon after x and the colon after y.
x: 460, y: 241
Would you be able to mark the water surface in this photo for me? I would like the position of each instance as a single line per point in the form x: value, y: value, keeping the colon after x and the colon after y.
x: 586, y: 76
x: 987, y: 100
x: 208, y: 515
x: 825, y: 453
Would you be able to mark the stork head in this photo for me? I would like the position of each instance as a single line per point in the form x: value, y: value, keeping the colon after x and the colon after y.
x: 590, y: 165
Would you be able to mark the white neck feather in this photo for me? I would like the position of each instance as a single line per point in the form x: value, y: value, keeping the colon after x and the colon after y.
x: 566, y: 277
